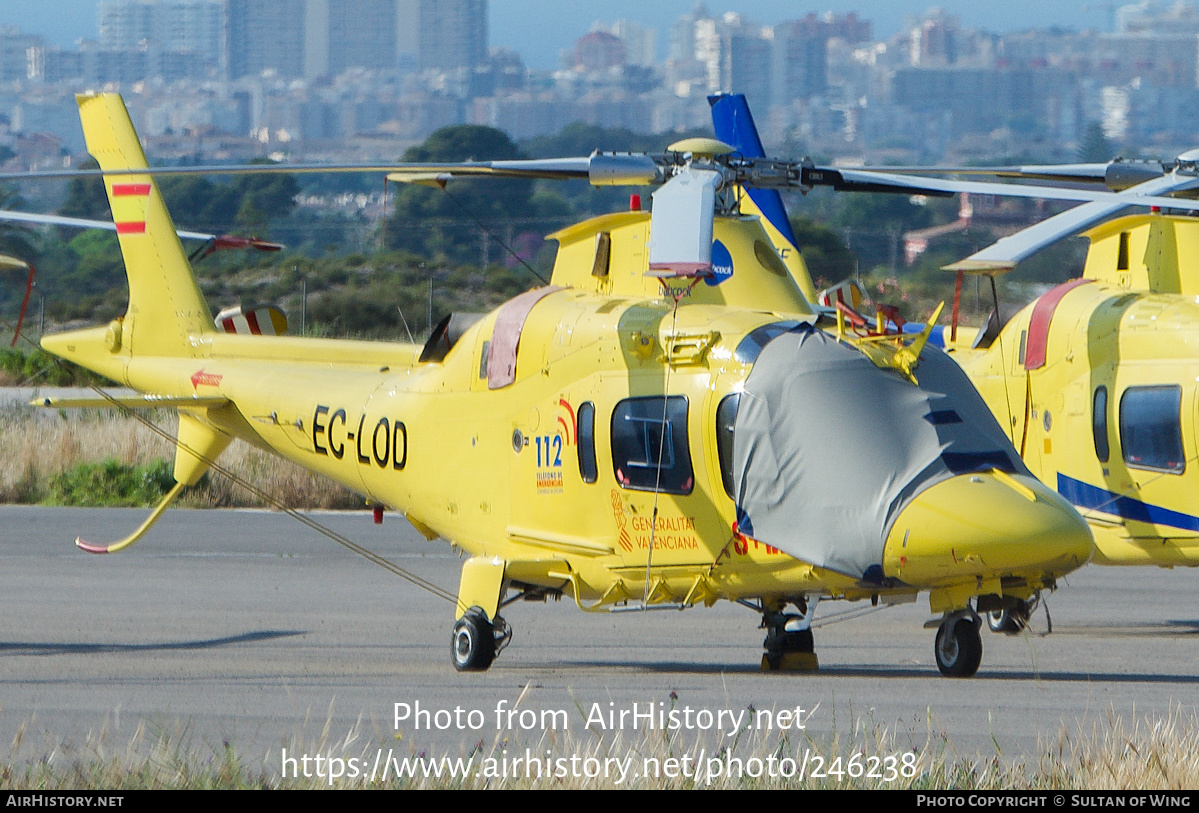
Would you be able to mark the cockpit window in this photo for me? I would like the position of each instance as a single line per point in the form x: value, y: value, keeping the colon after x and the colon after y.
x: 649, y: 445
x: 1151, y: 428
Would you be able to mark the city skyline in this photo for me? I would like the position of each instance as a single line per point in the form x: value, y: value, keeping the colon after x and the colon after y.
x: 288, y: 74
x: 63, y: 22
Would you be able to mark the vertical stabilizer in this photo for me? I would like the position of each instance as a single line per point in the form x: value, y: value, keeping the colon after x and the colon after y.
x: 166, y: 306
x: 734, y: 125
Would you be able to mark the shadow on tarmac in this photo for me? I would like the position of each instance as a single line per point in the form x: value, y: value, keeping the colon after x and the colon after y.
x: 28, y: 648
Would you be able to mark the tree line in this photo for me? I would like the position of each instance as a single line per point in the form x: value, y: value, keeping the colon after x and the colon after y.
x: 435, y: 250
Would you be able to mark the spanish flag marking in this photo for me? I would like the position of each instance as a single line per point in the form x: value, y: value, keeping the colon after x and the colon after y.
x: 129, y: 204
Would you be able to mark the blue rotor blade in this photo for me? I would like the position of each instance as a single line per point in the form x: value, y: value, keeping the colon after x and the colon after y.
x: 735, y: 126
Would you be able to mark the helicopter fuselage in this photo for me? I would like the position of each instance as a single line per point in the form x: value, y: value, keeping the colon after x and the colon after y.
x: 1096, y: 382
x: 635, y: 433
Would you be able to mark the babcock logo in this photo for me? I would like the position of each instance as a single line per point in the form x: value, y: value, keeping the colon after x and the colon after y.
x: 722, y: 264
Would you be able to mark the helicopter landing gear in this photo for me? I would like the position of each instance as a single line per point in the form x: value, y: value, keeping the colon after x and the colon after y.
x: 789, y: 643
x: 476, y: 641
x: 1012, y: 620
x: 959, y: 647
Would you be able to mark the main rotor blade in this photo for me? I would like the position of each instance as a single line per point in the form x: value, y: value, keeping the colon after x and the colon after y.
x: 82, y: 223
x: 631, y: 169
x: 1116, y: 175
x: 870, y: 180
x: 600, y: 169
x: 1004, y: 254
x: 216, y: 242
x: 550, y: 168
x: 1064, y: 172
x: 210, y: 169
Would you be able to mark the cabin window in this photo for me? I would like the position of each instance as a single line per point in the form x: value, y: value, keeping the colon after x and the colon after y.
x: 1099, y: 424
x: 603, y: 255
x: 1122, y: 256
x: 1151, y: 428
x: 726, y: 418
x: 649, y: 445
x: 586, y: 442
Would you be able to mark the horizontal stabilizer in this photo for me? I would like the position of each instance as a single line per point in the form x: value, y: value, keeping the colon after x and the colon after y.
x: 131, y: 402
x: 253, y: 320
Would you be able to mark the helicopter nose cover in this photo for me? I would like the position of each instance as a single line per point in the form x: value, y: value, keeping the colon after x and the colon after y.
x: 829, y: 448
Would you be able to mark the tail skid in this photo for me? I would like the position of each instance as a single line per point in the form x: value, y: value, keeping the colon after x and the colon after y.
x: 114, y: 547
x: 197, y: 445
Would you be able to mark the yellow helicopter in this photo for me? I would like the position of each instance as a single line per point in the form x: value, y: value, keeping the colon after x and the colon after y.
x: 642, y: 433
x: 1097, y: 379
x: 1094, y: 381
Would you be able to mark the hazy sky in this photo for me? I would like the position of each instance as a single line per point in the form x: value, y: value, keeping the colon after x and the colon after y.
x: 540, y: 29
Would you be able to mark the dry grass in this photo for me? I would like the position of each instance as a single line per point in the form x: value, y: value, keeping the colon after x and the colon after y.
x: 1153, y: 754
x: 38, y: 444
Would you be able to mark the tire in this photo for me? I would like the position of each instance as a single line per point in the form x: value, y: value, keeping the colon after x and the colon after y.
x: 958, y: 649
x: 1011, y: 621
x: 798, y: 641
x: 778, y: 640
x: 472, y: 646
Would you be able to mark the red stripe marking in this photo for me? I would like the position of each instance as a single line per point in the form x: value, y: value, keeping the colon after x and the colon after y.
x: 229, y: 326
x: 133, y: 227
x: 574, y: 425
x: 130, y: 189
x: 1038, y: 325
x: 252, y: 321
x: 90, y: 547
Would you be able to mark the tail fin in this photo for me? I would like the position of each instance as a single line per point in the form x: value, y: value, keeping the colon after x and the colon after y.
x: 166, y: 306
x: 734, y: 125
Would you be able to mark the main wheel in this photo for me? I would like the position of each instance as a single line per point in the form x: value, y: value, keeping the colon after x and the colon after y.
x: 790, y: 651
x: 1010, y: 621
x: 473, y: 643
x: 958, y: 648
x: 779, y: 640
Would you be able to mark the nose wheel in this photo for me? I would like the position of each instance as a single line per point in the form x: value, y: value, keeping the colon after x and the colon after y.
x: 476, y: 640
x: 959, y: 646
